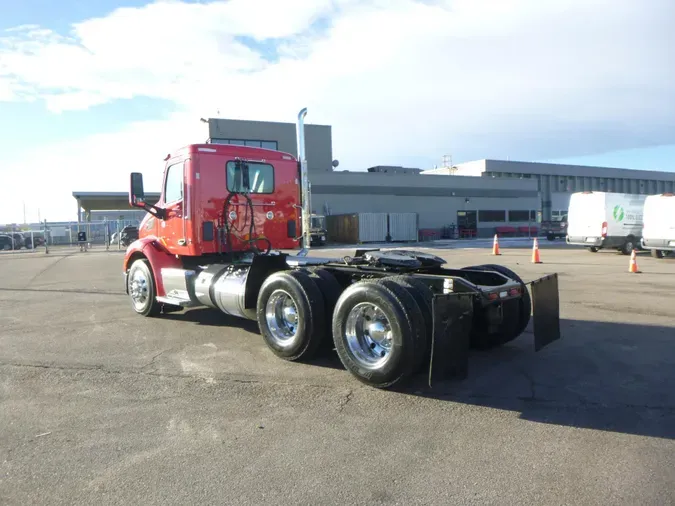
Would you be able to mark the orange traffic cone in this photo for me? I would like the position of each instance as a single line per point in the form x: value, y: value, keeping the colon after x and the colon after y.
x: 495, y: 246
x: 535, y: 252
x: 633, y: 266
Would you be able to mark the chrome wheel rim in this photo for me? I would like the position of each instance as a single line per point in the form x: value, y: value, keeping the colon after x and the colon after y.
x: 139, y: 289
x: 369, y: 335
x: 281, y: 315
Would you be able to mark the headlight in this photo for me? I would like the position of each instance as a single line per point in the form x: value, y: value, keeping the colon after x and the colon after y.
x: 323, y: 237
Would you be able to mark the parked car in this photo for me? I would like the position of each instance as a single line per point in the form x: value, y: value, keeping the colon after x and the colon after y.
x: 19, y: 240
x: 128, y: 235
x: 6, y: 242
x: 37, y: 240
x: 555, y: 228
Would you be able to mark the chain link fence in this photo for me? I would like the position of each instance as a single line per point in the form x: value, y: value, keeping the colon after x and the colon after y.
x: 102, y: 235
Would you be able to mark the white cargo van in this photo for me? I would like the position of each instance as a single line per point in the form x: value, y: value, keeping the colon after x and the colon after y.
x: 598, y: 220
x: 658, y: 234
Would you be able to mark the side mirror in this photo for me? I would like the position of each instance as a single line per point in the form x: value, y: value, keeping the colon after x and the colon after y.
x: 136, y: 193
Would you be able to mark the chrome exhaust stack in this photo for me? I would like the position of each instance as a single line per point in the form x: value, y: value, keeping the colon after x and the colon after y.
x: 305, y: 186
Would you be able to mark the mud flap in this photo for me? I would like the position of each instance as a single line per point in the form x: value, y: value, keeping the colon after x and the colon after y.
x: 452, y: 320
x: 545, y: 311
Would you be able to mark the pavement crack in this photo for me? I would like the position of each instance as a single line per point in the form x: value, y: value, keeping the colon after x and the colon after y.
x: 345, y: 400
x: 155, y: 357
x: 74, y: 367
x: 51, y: 265
x: 64, y: 290
x: 486, y: 400
x: 532, y: 383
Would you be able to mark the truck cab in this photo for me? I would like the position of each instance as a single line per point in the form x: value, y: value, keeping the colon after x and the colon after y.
x: 318, y: 230
x: 222, y: 199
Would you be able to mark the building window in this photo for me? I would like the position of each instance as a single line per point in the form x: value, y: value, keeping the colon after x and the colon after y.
x: 255, y: 143
x: 173, y: 187
x: 260, y: 177
x: 523, y: 215
x: 494, y: 216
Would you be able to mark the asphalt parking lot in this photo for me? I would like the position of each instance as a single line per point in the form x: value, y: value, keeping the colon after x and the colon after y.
x: 101, y: 406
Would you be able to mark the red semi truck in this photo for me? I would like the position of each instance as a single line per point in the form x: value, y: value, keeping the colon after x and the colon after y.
x: 225, y: 234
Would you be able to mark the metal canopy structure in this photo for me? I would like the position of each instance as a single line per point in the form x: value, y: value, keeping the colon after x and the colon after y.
x: 107, y: 201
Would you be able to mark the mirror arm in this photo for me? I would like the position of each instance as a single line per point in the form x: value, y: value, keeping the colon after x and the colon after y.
x: 153, y: 209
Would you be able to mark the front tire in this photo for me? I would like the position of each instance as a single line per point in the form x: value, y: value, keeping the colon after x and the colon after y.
x: 142, y: 290
x: 374, y: 335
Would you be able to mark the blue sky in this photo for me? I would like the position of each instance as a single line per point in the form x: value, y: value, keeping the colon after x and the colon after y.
x: 93, y: 90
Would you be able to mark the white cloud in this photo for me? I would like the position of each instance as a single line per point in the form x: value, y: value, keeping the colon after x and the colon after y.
x: 401, y: 81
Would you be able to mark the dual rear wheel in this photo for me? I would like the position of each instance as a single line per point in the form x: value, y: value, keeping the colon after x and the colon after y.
x: 379, y: 328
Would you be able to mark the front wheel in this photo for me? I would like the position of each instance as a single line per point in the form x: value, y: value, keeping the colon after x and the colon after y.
x: 141, y: 287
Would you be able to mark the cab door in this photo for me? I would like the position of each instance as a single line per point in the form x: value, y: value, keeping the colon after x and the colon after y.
x: 172, y: 229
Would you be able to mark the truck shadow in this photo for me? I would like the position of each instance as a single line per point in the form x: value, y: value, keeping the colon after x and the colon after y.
x: 600, y: 375
x: 213, y: 318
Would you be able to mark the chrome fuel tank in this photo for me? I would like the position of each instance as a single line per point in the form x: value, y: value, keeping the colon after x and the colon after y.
x: 224, y: 287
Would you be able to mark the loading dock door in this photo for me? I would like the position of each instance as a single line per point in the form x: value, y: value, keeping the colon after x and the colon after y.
x: 467, y: 223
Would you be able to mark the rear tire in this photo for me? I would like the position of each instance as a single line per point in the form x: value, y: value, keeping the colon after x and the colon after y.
x: 628, y: 246
x: 330, y: 290
x: 413, y: 305
x: 593, y: 249
x: 369, y: 321
x: 517, y: 314
x: 291, y: 315
x: 656, y: 253
x: 424, y: 298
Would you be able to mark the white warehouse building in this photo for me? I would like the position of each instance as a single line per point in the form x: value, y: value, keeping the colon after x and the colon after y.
x: 555, y: 182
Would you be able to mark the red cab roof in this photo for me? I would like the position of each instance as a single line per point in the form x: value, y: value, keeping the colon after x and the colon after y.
x: 234, y: 150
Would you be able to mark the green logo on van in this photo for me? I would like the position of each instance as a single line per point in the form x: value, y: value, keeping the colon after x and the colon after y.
x: 618, y: 213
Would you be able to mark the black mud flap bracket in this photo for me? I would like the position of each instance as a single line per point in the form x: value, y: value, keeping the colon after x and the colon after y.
x: 453, y: 319
x: 545, y: 310
x: 450, y: 339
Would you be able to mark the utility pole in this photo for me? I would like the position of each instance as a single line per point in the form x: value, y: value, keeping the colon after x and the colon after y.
x: 24, y: 212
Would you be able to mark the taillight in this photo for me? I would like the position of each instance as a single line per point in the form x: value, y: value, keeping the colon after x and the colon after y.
x: 514, y: 291
x: 604, y: 229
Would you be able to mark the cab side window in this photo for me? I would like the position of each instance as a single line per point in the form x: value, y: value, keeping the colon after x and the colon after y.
x: 173, y: 187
